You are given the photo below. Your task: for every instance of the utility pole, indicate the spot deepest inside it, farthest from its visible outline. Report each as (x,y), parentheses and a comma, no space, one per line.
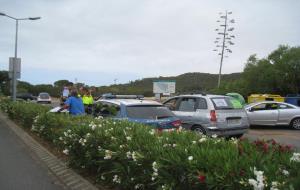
(223,43)
(16,62)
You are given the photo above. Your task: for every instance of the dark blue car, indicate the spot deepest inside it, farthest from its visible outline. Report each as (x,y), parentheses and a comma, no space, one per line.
(136,110)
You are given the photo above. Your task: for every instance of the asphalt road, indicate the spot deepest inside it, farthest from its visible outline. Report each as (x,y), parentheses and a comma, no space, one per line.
(281,134)
(19,168)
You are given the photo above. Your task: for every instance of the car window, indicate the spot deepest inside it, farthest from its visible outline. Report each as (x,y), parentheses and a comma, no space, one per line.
(171,104)
(106,109)
(148,112)
(44,96)
(265,106)
(187,104)
(202,104)
(224,103)
(284,106)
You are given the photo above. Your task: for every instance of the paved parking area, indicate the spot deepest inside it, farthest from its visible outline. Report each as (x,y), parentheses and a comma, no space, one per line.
(281,134)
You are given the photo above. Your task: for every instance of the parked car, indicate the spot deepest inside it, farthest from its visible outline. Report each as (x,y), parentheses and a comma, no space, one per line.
(136,110)
(210,114)
(44,97)
(273,113)
(25,96)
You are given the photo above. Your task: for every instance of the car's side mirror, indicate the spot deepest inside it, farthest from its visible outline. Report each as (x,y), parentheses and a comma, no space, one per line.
(251,110)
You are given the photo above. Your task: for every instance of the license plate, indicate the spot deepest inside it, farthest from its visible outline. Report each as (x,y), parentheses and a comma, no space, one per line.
(233,121)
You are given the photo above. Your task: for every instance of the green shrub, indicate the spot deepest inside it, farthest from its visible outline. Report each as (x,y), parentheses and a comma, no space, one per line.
(133,156)
(24,112)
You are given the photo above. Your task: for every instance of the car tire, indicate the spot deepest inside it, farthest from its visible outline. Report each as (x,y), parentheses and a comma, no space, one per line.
(295,123)
(198,129)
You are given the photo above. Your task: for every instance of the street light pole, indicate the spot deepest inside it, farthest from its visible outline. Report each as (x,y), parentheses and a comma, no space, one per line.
(14,72)
(14,77)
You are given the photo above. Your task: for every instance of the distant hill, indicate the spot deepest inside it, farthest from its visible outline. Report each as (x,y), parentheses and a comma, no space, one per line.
(187,82)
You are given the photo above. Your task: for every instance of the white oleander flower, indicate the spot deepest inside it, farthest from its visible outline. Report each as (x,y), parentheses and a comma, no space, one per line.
(134,156)
(194,142)
(108,155)
(285,172)
(116,179)
(214,136)
(274,185)
(128,138)
(128,154)
(138,186)
(152,132)
(190,158)
(66,152)
(257,184)
(295,157)
(203,139)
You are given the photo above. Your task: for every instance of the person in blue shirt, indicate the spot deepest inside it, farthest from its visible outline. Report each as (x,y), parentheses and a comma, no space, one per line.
(74,104)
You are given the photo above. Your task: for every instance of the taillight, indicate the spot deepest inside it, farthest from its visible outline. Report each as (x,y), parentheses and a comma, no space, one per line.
(176,123)
(213,116)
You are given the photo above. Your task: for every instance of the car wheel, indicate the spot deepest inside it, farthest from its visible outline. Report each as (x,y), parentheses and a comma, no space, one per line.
(296,123)
(200,130)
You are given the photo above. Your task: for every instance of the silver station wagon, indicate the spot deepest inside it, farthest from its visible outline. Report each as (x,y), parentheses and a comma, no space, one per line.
(210,114)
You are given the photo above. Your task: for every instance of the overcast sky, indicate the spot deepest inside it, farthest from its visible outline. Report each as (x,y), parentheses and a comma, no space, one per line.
(97,41)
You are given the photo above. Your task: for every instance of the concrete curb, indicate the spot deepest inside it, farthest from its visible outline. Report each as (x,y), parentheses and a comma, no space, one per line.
(66,176)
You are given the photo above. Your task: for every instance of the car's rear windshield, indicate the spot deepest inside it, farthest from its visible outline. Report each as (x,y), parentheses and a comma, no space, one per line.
(44,96)
(225,103)
(148,112)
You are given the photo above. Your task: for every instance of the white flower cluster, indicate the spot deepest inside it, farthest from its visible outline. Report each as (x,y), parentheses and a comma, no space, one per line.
(116,179)
(94,125)
(68,133)
(82,141)
(234,140)
(128,154)
(274,185)
(108,155)
(285,172)
(134,156)
(66,152)
(99,117)
(202,139)
(295,157)
(258,183)
(190,158)
(169,145)
(155,171)
(152,132)
(138,186)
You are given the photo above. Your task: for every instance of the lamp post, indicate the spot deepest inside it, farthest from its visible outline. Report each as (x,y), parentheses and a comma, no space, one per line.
(14,74)
(226,39)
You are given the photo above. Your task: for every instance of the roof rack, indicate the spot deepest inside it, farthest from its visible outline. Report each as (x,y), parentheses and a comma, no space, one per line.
(110,96)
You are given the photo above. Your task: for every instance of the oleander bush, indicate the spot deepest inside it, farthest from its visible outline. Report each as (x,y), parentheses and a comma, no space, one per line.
(126,155)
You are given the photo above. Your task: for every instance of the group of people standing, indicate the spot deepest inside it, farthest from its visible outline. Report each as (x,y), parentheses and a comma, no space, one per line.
(77,102)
